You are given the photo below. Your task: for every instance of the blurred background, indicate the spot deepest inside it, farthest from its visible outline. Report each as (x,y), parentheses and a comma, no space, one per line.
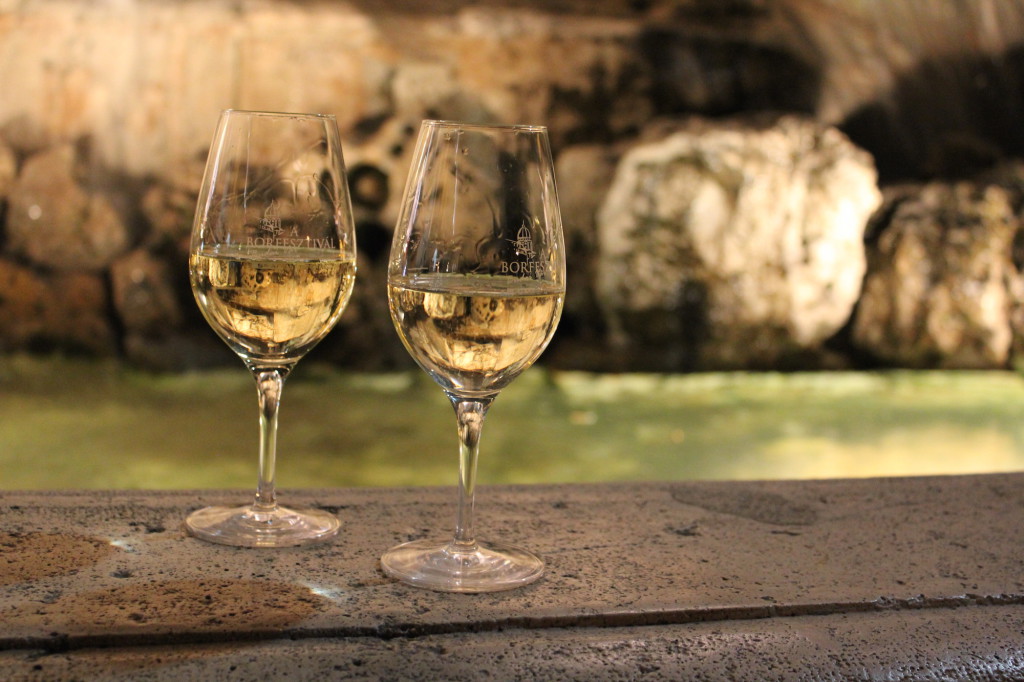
(793,231)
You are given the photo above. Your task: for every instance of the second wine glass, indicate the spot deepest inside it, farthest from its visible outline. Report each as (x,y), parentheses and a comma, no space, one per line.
(272,266)
(476,282)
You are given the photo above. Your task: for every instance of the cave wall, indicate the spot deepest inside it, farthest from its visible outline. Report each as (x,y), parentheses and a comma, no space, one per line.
(109,106)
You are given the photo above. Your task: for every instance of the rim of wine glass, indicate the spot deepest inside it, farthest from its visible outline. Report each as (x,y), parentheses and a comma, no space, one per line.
(525,127)
(281,114)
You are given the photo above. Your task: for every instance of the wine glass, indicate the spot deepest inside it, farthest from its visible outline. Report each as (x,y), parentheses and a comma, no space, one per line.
(476,281)
(272,266)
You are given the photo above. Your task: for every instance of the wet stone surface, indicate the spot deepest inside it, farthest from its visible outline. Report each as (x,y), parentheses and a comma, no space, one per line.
(672,578)
(30,556)
(758,506)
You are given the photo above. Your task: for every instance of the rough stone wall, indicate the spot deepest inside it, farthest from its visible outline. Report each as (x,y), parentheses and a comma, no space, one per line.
(109,106)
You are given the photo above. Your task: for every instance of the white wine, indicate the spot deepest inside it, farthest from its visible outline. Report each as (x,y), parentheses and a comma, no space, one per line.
(271,304)
(474,333)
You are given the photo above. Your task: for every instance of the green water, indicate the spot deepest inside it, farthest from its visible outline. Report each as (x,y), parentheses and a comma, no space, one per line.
(77,424)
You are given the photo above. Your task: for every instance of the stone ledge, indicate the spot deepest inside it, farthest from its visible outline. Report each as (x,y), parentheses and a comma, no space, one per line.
(874,578)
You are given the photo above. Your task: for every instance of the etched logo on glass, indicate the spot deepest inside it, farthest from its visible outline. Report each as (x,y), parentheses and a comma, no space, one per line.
(523,244)
(273,232)
(271,220)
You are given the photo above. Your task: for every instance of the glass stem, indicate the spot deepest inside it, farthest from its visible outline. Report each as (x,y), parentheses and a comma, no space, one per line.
(269,383)
(470,413)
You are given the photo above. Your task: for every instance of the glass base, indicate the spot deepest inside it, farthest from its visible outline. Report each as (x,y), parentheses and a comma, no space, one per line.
(247,527)
(485,567)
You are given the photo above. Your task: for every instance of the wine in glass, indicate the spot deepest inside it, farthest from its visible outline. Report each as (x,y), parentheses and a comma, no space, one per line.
(272,266)
(476,282)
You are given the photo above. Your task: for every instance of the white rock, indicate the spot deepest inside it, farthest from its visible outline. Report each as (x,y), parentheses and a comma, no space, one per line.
(767,223)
